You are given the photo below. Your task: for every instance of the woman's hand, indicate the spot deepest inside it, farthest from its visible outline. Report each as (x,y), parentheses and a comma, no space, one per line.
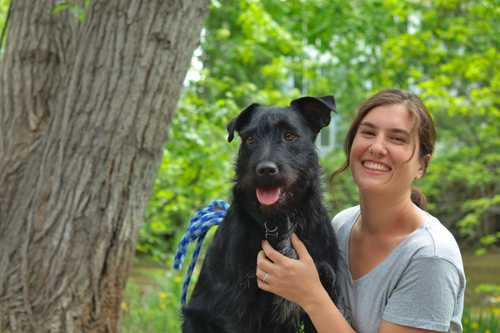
(296,280)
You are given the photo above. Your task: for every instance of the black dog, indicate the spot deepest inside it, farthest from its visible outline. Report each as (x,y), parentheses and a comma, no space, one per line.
(276,192)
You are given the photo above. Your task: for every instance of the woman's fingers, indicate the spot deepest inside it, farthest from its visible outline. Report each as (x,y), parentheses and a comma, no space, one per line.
(289,278)
(263,272)
(271,253)
(263,285)
(263,262)
(263,276)
(299,246)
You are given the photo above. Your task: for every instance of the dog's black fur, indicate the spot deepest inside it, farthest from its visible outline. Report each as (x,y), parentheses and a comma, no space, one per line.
(277,150)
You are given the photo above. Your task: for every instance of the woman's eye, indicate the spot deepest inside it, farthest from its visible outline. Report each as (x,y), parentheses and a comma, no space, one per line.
(398,139)
(289,136)
(249,140)
(368,133)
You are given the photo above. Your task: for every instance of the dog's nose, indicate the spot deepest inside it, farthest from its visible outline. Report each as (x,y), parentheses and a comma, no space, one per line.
(267,169)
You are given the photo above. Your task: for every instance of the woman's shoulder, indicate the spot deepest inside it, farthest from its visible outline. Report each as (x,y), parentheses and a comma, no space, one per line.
(435,241)
(348,215)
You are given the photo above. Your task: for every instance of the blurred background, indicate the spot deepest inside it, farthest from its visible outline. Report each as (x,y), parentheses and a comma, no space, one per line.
(272,51)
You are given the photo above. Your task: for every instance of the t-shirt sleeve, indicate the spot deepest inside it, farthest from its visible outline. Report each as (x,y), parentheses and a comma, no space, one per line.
(425,296)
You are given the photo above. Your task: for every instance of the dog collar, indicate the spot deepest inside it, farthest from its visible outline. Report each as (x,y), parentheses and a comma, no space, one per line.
(271,231)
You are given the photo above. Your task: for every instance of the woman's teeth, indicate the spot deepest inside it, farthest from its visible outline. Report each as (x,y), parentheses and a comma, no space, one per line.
(375,166)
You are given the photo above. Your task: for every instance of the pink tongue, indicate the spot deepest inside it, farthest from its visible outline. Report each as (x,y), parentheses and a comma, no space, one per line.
(268,196)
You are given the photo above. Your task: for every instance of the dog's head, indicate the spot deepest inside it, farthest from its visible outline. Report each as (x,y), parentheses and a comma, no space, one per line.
(277,161)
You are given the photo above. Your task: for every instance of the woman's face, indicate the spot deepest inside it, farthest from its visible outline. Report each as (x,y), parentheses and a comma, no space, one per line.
(384,156)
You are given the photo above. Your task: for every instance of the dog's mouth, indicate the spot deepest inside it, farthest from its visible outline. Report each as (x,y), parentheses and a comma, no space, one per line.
(268,195)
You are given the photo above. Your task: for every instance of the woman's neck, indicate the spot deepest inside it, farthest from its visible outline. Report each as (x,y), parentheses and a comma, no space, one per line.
(389,216)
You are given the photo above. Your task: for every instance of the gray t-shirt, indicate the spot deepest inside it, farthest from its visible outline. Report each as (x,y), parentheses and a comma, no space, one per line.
(420,284)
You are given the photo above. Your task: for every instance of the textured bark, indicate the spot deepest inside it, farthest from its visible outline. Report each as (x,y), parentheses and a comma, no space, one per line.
(84,112)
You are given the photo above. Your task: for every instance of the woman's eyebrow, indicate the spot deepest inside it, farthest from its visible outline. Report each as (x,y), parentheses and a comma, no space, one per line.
(399,131)
(392,130)
(367,124)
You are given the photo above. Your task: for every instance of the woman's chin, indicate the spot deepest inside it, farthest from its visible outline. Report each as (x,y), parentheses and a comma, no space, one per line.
(372,187)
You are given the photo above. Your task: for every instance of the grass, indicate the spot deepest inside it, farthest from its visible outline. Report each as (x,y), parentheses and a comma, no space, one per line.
(152,298)
(152,301)
(483,322)
(483,280)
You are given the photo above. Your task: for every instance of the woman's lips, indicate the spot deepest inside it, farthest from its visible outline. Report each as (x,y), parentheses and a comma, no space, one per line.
(375,166)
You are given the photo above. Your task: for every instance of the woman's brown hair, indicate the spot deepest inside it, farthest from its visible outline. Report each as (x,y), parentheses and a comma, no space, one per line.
(423,124)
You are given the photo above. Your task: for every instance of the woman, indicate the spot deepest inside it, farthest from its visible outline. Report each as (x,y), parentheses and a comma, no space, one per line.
(400,269)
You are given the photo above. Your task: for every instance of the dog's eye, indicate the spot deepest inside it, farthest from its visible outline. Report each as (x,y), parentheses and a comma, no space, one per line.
(249,140)
(289,136)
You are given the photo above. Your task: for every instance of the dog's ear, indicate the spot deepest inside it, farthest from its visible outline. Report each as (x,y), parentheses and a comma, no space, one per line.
(240,121)
(316,110)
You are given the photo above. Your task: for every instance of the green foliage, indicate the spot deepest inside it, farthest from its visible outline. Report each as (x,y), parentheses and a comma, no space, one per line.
(489,290)
(481,323)
(456,62)
(340,191)
(270,51)
(4,8)
(196,169)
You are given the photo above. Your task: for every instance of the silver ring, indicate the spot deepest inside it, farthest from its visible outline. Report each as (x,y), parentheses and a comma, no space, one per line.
(264,279)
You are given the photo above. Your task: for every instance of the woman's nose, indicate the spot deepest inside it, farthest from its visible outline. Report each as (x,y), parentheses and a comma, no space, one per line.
(378,146)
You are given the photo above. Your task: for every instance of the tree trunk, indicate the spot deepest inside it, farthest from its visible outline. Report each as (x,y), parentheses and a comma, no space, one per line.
(84,110)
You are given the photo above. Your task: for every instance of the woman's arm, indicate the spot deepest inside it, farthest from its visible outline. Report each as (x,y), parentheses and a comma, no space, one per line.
(326,317)
(298,281)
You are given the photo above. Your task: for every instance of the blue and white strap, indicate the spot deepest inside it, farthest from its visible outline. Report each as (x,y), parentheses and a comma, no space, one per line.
(197,229)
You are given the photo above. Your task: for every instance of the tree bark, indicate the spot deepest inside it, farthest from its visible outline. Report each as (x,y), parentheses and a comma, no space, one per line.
(84,111)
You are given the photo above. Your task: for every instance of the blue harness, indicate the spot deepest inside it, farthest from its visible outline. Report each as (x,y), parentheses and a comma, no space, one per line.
(197,229)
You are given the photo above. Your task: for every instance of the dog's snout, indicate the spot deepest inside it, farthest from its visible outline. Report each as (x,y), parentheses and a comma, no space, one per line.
(267,169)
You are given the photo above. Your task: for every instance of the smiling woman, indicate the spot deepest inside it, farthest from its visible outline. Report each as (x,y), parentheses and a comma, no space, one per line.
(410,125)
(400,269)
(383,155)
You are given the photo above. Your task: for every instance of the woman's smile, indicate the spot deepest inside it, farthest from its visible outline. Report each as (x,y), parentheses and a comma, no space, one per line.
(384,153)
(375,166)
